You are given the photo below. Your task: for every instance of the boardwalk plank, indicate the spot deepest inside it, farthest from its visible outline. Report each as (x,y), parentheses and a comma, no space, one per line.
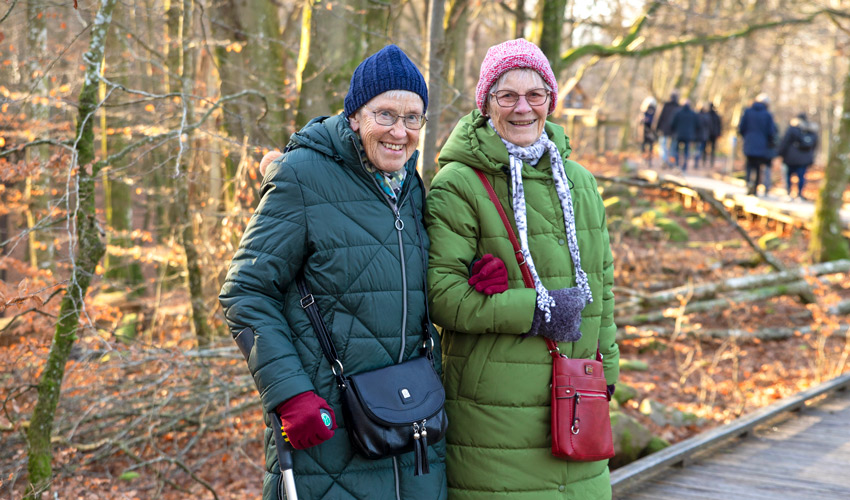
(805,455)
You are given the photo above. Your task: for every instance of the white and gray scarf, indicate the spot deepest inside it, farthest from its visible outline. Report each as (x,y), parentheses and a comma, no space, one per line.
(532,155)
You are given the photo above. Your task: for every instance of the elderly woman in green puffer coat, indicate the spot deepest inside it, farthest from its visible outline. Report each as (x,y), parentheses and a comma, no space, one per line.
(497,368)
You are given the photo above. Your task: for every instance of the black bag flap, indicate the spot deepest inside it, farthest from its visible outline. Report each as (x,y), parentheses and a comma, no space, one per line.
(400,394)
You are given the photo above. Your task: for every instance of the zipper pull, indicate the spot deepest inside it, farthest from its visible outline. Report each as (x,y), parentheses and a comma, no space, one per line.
(399,224)
(415,431)
(574,428)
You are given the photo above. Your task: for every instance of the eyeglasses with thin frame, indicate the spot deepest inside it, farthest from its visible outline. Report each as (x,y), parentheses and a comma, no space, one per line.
(388,119)
(509,98)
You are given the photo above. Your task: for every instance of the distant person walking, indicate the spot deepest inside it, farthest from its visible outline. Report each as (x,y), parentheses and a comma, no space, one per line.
(686,129)
(759,132)
(664,127)
(709,122)
(714,131)
(797,150)
(646,120)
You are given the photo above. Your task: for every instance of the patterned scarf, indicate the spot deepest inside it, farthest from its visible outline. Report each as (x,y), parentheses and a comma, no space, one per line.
(390,182)
(532,155)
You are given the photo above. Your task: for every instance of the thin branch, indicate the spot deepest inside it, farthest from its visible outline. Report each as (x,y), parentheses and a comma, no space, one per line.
(37,142)
(622,49)
(15,2)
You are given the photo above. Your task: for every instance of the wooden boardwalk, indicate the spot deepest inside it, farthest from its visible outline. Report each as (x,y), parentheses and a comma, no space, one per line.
(733,194)
(773,454)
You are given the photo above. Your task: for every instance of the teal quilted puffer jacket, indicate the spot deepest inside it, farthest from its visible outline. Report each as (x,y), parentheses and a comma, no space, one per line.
(322,211)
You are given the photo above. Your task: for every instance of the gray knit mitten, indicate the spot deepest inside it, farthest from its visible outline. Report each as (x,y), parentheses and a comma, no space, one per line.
(565,322)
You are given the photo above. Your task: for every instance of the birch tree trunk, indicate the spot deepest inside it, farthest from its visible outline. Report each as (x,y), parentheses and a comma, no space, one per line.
(89,251)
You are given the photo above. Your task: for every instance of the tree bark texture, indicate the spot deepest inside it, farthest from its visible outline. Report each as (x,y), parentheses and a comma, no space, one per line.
(435,52)
(184,205)
(552,28)
(827,242)
(89,251)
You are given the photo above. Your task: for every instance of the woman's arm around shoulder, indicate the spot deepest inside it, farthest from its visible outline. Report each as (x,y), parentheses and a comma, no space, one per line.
(269,256)
(455,205)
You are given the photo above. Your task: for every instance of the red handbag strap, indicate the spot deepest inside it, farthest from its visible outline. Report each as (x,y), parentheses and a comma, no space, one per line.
(520,258)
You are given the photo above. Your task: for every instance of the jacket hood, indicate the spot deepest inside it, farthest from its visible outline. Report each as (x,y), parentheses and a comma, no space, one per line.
(759,106)
(804,125)
(475,144)
(332,136)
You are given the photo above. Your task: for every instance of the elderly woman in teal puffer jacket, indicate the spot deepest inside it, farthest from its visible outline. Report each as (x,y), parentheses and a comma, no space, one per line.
(497,368)
(344,206)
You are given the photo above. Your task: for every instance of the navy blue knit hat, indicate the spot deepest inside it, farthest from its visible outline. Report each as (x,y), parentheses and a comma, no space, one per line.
(387,69)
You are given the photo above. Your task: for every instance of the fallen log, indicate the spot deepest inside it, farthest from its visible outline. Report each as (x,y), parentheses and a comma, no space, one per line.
(795,287)
(770,333)
(745,282)
(842,307)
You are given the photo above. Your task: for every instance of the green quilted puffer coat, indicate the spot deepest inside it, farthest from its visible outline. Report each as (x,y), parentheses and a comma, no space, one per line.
(322,211)
(497,383)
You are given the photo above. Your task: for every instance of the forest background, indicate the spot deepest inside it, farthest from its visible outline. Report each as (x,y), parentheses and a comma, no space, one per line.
(130,136)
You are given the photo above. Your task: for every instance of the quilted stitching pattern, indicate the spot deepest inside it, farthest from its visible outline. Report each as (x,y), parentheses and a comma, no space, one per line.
(320,211)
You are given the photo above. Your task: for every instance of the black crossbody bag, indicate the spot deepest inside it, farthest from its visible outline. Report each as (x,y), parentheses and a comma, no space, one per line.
(392,410)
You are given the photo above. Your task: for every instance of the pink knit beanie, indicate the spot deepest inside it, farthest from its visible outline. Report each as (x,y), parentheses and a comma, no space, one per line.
(513,54)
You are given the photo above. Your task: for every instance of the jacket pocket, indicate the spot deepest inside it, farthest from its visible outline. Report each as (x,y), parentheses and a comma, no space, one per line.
(474,366)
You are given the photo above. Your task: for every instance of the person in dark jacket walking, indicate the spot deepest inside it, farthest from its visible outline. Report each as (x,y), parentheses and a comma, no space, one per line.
(759,132)
(701,156)
(664,127)
(714,130)
(343,205)
(797,150)
(645,120)
(686,129)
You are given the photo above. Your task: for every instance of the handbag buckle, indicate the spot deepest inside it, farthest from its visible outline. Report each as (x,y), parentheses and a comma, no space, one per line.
(520,257)
(333,368)
(307,301)
(556,349)
(425,344)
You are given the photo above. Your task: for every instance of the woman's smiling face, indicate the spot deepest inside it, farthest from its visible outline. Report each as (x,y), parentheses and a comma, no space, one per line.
(388,147)
(520,124)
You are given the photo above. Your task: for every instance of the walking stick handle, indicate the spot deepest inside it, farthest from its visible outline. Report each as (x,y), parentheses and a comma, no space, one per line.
(245,341)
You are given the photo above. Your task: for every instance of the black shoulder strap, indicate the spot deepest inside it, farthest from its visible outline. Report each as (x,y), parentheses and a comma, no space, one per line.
(308,303)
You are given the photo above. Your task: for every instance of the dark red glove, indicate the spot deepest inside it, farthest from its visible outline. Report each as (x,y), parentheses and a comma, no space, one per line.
(489,275)
(302,421)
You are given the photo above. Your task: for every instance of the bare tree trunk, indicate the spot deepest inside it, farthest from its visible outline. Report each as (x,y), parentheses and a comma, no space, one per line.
(519,23)
(435,51)
(37,48)
(333,43)
(90,250)
(827,243)
(184,204)
(552,28)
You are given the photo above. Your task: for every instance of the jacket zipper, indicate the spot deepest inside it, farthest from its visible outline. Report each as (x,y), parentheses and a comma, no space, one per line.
(399,226)
(574,427)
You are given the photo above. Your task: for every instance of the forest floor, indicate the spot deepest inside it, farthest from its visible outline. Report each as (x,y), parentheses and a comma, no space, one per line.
(153,418)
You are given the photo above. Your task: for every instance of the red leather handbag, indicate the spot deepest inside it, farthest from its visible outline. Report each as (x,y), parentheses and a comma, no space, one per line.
(581,422)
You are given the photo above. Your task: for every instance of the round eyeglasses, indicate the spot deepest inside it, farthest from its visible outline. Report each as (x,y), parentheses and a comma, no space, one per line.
(388,119)
(509,98)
